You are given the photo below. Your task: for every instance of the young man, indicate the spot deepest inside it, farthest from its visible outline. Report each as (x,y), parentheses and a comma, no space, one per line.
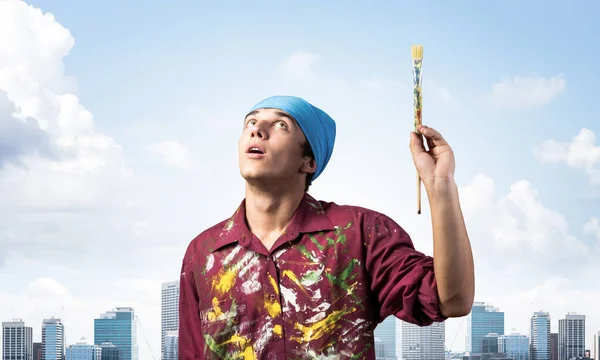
(290,277)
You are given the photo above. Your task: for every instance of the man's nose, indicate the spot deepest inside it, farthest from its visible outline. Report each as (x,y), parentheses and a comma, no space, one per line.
(259,130)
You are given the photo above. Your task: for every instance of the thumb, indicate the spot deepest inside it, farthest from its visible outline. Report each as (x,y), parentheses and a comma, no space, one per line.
(416,144)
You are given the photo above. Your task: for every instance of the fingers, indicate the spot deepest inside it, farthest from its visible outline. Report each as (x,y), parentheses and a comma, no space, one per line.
(434,138)
(416,143)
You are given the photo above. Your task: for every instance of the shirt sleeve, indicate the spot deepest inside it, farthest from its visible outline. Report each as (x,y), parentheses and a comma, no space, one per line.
(191,341)
(402,279)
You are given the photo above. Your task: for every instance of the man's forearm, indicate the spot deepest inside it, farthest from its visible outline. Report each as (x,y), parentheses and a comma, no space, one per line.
(452,255)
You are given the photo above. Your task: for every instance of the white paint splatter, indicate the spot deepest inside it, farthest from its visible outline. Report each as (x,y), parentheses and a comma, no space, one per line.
(265,334)
(290,298)
(251,285)
(249,261)
(231,255)
(210,261)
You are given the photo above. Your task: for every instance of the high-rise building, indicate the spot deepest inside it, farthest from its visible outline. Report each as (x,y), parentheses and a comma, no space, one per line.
(118,327)
(553,346)
(596,346)
(571,336)
(514,345)
(109,351)
(489,344)
(386,332)
(540,336)
(482,320)
(169,312)
(17,340)
(53,339)
(37,351)
(84,351)
(423,342)
(171,346)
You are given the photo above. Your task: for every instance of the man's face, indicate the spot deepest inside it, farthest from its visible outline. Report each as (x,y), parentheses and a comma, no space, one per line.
(270,148)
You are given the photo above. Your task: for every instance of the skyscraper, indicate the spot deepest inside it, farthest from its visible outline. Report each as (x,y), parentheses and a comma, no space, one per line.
(423,343)
(514,345)
(386,332)
(84,351)
(571,336)
(169,312)
(596,346)
(540,336)
(171,346)
(482,320)
(53,339)
(17,340)
(118,327)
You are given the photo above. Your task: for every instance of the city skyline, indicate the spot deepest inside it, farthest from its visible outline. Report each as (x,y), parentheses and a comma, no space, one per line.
(120,136)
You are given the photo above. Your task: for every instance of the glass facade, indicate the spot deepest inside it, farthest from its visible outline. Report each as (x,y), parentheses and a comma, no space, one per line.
(482,320)
(386,332)
(118,327)
(540,336)
(515,346)
(53,339)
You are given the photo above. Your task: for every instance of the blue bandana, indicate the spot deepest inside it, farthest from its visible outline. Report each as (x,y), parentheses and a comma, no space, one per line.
(317,126)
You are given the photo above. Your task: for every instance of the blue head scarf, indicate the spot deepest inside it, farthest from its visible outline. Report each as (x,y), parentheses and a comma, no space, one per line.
(317,126)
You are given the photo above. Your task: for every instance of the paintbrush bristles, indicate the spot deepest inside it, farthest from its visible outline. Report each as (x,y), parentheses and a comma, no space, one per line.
(417,52)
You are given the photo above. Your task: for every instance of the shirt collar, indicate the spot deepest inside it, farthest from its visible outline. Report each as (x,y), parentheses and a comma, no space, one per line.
(309,217)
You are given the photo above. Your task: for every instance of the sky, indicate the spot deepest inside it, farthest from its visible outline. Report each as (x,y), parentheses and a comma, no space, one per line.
(119,125)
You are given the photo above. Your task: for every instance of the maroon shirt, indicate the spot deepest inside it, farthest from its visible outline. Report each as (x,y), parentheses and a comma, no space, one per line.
(335,273)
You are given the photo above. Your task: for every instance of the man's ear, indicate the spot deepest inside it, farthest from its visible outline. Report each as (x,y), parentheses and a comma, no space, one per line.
(309,166)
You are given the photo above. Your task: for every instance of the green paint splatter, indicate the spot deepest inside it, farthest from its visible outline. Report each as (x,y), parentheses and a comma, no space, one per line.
(344,277)
(304,251)
(316,242)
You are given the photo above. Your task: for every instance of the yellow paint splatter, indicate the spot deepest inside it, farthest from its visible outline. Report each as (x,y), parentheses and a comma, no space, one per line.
(236,339)
(224,281)
(273,308)
(320,328)
(215,312)
(249,354)
(277,330)
(292,277)
(274,284)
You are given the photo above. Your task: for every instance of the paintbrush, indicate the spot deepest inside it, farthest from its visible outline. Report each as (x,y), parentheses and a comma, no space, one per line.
(417,61)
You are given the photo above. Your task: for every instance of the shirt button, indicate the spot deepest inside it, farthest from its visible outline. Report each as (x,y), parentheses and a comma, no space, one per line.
(276,337)
(272,296)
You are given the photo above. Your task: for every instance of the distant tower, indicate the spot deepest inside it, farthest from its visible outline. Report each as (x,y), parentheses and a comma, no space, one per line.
(17,340)
(169,312)
(118,327)
(53,339)
(540,336)
(571,336)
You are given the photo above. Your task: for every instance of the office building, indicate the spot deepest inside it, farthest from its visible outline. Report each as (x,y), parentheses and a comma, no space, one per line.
(386,333)
(109,351)
(84,351)
(17,340)
(482,320)
(596,346)
(53,339)
(540,336)
(514,345)
(169,312)
(571,336)
(553,346)
(423,342)
(118,327)
(171,345)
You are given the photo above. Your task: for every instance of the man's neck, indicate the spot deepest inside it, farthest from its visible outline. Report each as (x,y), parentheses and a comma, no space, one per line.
(269,213)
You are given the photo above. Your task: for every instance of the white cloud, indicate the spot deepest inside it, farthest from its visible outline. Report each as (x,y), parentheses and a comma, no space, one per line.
(592,227)
(299,66)
(581,153)
(173,153)
(439,92)
(526,92)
